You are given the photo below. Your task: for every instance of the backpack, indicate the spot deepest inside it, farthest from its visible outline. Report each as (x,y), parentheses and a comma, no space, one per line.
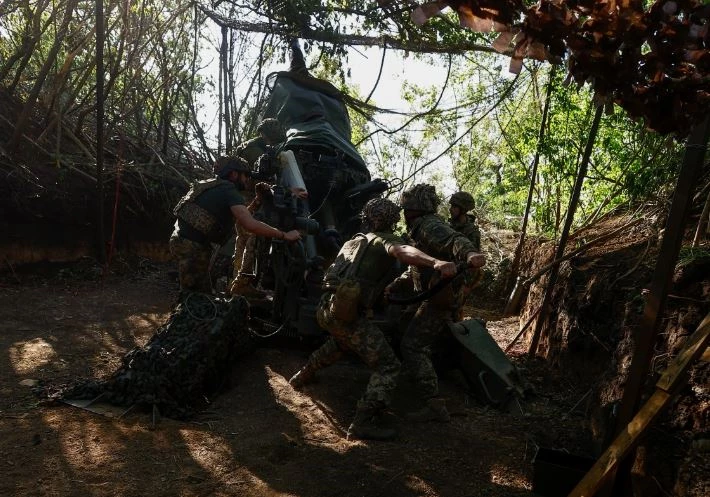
(340,277)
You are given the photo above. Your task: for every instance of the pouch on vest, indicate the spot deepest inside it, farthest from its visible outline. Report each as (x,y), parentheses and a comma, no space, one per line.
(346,301)
(340,278)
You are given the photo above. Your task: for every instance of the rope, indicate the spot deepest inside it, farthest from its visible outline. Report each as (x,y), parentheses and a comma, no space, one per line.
(192,314)
(330,189)
(268,335)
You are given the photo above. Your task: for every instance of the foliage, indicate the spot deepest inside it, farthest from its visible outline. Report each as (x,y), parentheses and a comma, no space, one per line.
(478,131)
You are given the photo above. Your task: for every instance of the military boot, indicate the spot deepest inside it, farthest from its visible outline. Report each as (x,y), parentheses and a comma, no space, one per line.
(304,376)
(365,426)
(243,287)
(435,410)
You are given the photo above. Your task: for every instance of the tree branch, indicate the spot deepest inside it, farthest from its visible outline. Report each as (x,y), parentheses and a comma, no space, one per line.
(417,46)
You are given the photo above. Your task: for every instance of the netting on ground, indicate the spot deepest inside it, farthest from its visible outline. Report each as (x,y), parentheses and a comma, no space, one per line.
(188,358)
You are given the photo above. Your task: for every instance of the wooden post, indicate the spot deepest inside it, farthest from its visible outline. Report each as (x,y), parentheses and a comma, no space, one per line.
(573,201)
(628,437)
(647,331)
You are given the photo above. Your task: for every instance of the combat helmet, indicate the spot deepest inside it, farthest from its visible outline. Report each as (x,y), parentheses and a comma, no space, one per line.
(421,197)
(380,214)
(226,164)
(464,200)
(272,130)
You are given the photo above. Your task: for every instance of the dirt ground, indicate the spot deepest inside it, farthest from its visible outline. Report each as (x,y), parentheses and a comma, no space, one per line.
(258,438)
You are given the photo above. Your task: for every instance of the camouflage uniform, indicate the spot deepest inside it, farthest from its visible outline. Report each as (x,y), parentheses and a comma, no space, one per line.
(368,342)
(432,235)
(466,225)
(204,217)
(244,245)
(244,259)
(193,263)
(373,271)
(469,229)
(271,133)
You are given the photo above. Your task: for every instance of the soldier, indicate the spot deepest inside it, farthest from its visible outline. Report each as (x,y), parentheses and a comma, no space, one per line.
(460,204)
(366,262)
(271,134)
(432,235)
(206,215)
(463,222)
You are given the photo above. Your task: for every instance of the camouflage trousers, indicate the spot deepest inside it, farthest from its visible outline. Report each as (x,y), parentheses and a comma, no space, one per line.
(244,248)
(369,343)
(193,264)
(426,327)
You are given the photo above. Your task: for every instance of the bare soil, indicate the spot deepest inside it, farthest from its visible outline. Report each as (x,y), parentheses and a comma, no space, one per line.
(259,437)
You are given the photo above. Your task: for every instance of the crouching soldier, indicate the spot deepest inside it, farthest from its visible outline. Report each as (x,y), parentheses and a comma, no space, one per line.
(434,236)
(206,215)
(353,284)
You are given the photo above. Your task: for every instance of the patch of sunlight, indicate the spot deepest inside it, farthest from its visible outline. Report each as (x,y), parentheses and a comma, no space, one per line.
(26,357)
(149,321)
(215,456)
(419,486)
(86,442)
(318,424)
(506,477)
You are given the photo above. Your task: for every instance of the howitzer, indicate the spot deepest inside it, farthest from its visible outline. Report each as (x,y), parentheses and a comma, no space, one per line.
(294,272)
(318,155)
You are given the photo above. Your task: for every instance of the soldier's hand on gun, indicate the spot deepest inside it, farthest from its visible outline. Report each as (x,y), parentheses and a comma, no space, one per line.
(446,269)
(292,236)
(475,260)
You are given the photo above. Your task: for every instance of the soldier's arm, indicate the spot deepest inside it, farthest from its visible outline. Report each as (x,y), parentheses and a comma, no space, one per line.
(442,238)
(244,217)
(415,257)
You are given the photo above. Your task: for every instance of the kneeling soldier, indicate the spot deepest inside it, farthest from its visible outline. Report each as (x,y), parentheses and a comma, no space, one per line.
(353,284)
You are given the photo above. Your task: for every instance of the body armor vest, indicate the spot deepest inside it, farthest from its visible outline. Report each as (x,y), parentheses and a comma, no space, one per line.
(198,217)
(346,268)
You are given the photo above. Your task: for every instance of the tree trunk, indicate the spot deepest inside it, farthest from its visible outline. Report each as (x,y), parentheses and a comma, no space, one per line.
(41,77)
(574,200)
(533,175)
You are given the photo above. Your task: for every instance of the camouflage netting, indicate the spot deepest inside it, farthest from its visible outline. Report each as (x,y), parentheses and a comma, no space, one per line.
(189,357)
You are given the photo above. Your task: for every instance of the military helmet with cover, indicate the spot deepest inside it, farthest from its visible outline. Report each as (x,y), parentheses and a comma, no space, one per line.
(226,164)
(464,200)
(272,130)
(421,197)
(380,214)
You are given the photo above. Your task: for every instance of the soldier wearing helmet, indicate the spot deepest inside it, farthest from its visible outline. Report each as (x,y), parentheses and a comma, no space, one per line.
(366,263)
(205,216)
(431,234)
(271,135)
(460,204)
